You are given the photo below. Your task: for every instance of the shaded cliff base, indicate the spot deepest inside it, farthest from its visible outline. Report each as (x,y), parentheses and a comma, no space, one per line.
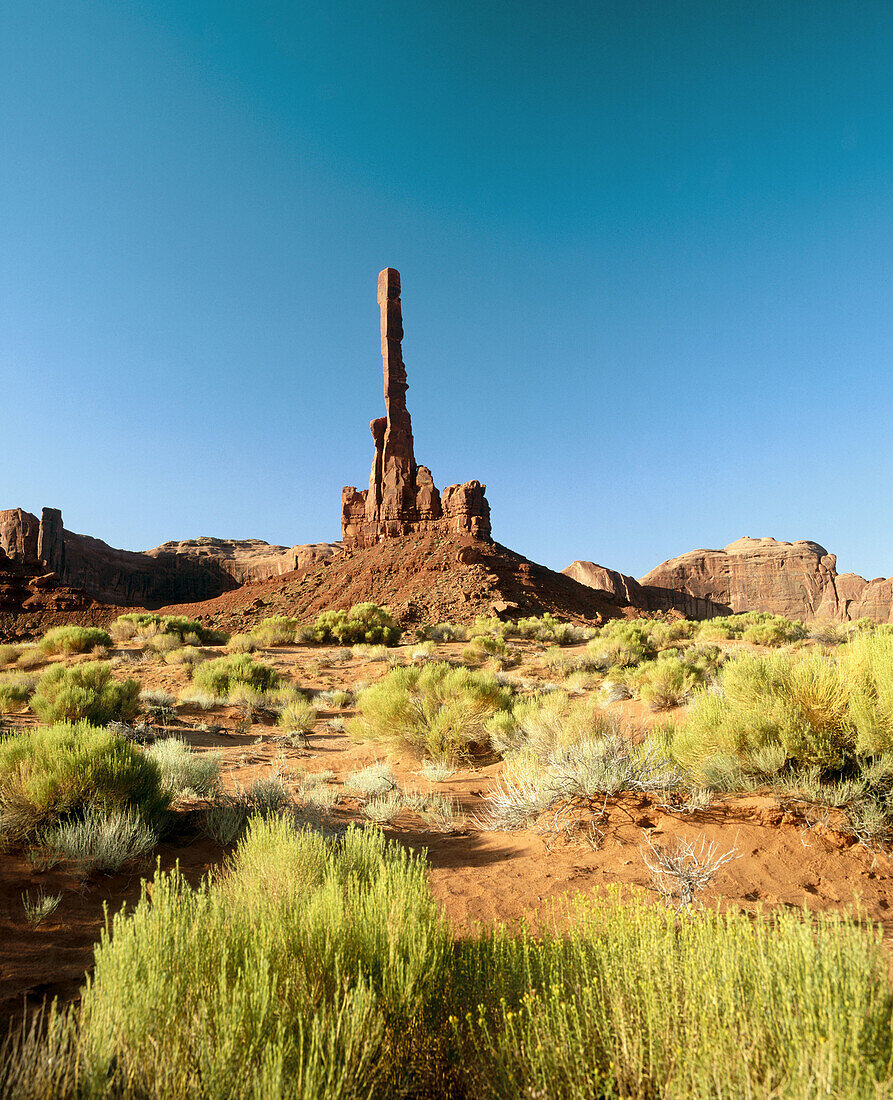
(795,579)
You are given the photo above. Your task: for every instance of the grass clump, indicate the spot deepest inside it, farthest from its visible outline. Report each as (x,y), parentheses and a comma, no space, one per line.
(73,639)
(363,623)
(100,839)
(59,771)
(41,906)
(183,769)
(297,715)
(9,654)
(223,675)
(15,690)
(86,693)
(434,710)
(243,643)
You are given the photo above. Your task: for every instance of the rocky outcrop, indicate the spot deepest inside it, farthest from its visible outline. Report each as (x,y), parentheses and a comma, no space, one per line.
(402,498)
(19,534)
(176,572)
(608,582)
(795,579)
(787,578)
(248,561)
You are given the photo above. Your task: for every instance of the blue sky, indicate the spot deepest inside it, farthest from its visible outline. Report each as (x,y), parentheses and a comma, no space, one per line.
(646,252)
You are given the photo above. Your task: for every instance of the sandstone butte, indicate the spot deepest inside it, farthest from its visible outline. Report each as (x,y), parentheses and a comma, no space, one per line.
(428,554)
(796,579)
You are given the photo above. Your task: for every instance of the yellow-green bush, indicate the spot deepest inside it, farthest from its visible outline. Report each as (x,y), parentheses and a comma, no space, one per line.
(312,970)
(224,674)
(15,690)
(145,623)
(822,710)
(85,693)
(275,630)
(50,772)
(435,710)
(364,622)
(73,639)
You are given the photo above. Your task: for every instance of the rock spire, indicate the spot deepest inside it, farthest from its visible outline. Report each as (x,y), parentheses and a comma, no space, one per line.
(402,497)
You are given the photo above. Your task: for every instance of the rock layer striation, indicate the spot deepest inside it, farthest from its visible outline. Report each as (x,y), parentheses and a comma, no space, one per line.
(402,498)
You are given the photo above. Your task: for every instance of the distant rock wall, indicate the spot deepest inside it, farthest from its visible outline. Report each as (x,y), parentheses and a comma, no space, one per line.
(177,572)
(796,579)
(402,498)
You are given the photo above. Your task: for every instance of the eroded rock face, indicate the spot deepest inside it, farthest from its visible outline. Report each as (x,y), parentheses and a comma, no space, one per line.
(176,572)
(795,579)
(787,578)
(19,533)
(402,497)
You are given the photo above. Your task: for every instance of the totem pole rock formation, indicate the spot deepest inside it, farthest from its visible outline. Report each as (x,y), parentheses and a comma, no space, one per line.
(402,498)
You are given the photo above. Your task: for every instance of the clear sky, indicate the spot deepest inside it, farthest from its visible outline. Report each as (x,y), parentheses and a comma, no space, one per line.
(646,248)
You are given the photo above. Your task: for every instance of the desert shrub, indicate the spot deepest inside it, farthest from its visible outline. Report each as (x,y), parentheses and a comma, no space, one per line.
(622,644)
(543,723)
(266,796)
(319,970)
(182,769)
(365,622)
(383,808)
(146,624)
(100,839)
(307,970)
(188,655)
(297,715)
(52,772)
(821,711)
(31,658)
(242,643)
(482,647)
(372,781)
(165,643)
(222,675)
(670,679)
(157,699)
(490,625)
(276,630)
(442,632)
(774,631)
(664,634)
(866,664)
(586,771)
(15,690)
(828,633)
(336,699)
(9,654)
(85,693)
(435,710)
(546,628)
(585,1013)
(73,639)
